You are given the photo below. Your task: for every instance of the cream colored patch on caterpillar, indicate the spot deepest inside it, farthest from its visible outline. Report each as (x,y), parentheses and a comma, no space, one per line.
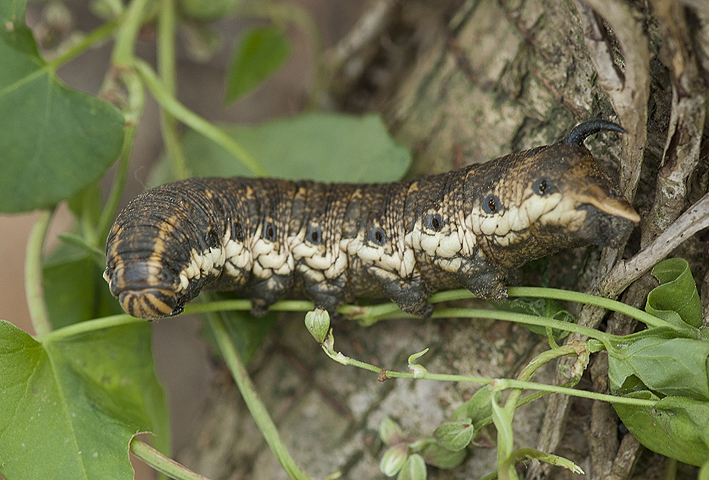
(449,245)
(337,266)
(509,239)
(535,206)
(564,215)
(516,219)
(430,242)
(408,263)
(390,262)
(202,264)
(302,249)
(450,265)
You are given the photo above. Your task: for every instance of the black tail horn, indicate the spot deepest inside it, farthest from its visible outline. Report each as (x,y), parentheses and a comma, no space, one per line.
(580,132)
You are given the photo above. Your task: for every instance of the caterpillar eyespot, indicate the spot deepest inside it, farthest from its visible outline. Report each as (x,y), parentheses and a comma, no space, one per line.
(212,239)
(269,232)
(542,186)
(314,235)
(238,232)
(491,204)
(378,236)
(433,222)
(258,245)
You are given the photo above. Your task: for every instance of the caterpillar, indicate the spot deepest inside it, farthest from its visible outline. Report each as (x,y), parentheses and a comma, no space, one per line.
(333,243)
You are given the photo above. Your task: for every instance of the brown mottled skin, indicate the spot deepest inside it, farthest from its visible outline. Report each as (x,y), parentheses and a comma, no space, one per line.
(266,239)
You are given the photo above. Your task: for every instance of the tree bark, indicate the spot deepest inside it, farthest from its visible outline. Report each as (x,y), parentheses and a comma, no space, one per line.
(462,82)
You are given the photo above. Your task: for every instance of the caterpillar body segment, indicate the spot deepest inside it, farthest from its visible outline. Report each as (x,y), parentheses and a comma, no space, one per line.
(333,243)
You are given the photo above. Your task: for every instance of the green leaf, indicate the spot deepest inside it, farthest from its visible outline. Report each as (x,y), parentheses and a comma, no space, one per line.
(541,307)
(86,206)
(454,436)
(74,288)
(478,408)
(207,10)
(505,435)
(676,299)
(438,456)
(261,51)
(318,324)
(414,469)
(666,366)
(676,427)
(704,471)
(246,332)
(71,403)
(326,147)
(55,141)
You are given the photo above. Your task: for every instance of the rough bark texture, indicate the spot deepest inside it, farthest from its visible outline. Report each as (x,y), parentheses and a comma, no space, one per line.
(462,82)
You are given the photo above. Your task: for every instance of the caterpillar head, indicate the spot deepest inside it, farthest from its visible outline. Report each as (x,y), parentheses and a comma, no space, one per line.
(551,198)
(150,247)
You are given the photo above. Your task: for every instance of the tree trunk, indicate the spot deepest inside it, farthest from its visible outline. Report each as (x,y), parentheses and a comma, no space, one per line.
(462,82)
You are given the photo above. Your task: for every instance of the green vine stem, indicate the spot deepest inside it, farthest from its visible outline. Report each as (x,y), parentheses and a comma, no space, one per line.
(167,25)
(506,459)
(161,463)
(194,121)
(500,384)
(241,304)
(88,41)
(77,329)
(39,315)
(302,305)
(133,19)
(248,392)
(521,454)
(132,114)
(371,314)
(581,350)
(505,438)
(578,297)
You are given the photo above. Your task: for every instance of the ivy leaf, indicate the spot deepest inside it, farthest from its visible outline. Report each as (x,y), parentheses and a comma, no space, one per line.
(676,300)
(478,409)
(665,366)
(70,404)
(454,436)
(261,51)
(676,427)
(541,307)
(327,147)
(74,288)
(55,141)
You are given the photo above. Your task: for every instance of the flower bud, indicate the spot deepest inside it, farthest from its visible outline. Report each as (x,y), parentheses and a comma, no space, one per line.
(390,432)
(393,459)
(318,324)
